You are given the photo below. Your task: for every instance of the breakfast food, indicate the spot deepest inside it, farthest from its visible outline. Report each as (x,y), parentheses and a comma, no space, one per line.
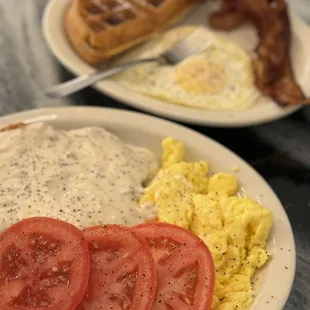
(220,78)
(234,228)
(101,29)
(47,263)
(44,264)
(185,269)
(85,176)
(191,241)
(228,16)
(273,68)
(122,274)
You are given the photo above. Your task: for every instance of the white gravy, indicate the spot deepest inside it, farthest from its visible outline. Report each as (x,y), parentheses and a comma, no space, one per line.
(86,176)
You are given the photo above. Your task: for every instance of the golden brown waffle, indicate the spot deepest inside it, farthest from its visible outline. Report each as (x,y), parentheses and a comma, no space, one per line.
(101,29)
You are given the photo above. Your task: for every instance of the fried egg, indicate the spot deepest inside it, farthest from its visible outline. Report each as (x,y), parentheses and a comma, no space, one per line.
(219,78)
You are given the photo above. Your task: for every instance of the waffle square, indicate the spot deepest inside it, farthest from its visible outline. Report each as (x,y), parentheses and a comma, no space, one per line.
(101,29)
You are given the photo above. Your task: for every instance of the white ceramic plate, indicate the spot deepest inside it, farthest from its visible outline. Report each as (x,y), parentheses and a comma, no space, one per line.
(275,280)
(265,110)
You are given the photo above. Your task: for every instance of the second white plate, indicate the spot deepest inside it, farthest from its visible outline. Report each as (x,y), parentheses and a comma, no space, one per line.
(264,111)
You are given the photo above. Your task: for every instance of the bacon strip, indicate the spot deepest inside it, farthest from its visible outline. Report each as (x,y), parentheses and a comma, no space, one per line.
(272,66)
(228,17)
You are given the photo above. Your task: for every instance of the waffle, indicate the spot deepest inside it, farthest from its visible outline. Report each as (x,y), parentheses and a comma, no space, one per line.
(101,29)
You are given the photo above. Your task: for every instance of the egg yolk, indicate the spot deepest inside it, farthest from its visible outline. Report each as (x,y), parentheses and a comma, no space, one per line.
(200,77)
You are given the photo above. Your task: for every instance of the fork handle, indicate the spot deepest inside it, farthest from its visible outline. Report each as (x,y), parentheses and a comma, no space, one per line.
(79,83)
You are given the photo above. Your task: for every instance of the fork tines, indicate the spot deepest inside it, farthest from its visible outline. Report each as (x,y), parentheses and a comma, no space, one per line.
(191,45)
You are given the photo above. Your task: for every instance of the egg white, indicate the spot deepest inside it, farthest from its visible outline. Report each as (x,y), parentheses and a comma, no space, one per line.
(219,78)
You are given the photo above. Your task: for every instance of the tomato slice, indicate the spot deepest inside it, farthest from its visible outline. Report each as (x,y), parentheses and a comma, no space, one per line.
(44,264)
(122,270)
(185,268)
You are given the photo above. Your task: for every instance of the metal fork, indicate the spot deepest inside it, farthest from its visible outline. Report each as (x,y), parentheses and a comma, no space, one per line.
(187,47)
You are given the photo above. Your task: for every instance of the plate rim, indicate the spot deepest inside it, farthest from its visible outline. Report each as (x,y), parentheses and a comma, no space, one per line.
(137,119)
(152,105)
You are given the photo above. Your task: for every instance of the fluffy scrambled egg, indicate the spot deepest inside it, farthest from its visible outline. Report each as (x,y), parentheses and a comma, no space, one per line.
(234,228)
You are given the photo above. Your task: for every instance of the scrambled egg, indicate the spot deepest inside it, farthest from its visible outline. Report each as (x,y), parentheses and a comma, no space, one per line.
(234,228)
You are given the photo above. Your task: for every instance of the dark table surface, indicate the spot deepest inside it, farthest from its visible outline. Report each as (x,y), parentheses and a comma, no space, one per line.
(280,151)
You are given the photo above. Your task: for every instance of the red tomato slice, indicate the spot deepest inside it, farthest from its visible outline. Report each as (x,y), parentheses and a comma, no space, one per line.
(185,268)
(122,270)
(44,264)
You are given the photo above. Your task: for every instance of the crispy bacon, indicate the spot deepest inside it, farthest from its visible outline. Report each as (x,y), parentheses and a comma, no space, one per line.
(228,17)
(272,66)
